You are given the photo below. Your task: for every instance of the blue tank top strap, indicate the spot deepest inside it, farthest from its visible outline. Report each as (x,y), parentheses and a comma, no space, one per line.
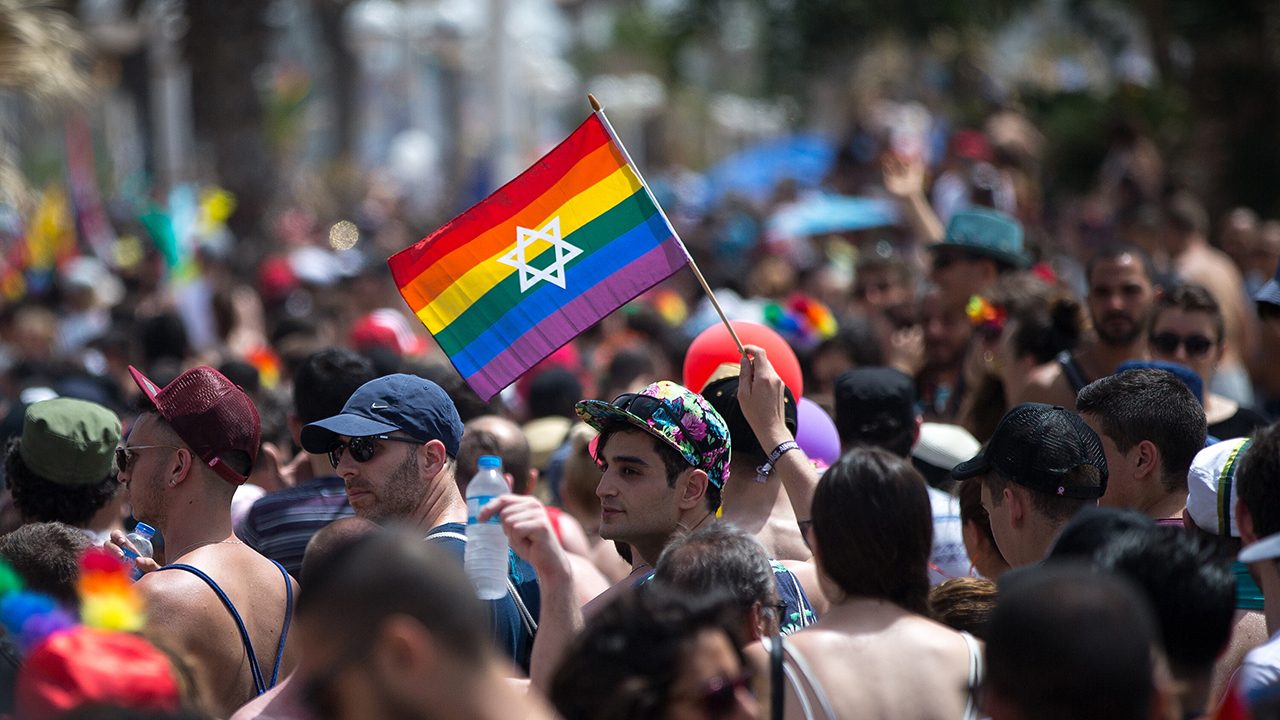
(288,620)
(259,684)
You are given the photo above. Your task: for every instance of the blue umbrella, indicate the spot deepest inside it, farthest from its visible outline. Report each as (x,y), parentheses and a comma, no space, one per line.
(819,214)
(756,170)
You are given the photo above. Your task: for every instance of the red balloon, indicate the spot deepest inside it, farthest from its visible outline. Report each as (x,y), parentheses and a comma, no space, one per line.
(714,346)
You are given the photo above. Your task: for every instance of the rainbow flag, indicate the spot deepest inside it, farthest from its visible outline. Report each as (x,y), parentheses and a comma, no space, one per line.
(527,269)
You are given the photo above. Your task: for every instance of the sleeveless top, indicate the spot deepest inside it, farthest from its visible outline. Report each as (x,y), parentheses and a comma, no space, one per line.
(797,612)
(814,703)
(1071,370)
(260,684)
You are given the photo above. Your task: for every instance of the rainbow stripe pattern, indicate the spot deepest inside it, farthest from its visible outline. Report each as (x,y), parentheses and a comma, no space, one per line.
(548,255)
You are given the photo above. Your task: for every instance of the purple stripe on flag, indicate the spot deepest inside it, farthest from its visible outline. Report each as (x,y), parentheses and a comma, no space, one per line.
(579,314)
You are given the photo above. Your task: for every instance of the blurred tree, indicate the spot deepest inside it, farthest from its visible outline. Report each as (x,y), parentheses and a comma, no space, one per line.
(225,47)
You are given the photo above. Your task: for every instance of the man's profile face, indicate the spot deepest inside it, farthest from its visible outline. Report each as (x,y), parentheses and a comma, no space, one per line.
(386,486)
(635,500)
(1120,298)
(144,474)
(1001,526)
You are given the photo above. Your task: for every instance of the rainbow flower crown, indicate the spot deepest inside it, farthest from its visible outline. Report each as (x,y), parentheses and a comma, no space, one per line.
(108,601)
(986,316)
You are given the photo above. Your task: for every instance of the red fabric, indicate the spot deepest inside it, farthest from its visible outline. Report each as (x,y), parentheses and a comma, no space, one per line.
(553,514)
(83,665)
(210,413)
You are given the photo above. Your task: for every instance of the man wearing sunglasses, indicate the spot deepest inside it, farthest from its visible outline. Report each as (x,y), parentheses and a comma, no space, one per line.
(217,601)
(395,446)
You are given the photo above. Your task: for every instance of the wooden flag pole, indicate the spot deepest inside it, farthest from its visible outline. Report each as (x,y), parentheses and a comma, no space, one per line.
(599,110)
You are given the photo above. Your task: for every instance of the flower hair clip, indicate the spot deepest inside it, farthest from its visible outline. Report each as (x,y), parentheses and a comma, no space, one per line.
(985,316)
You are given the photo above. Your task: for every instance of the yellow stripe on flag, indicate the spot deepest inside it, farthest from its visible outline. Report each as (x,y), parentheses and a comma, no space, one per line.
(488,272)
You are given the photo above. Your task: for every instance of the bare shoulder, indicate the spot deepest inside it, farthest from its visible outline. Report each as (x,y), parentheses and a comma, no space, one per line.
(1047,384)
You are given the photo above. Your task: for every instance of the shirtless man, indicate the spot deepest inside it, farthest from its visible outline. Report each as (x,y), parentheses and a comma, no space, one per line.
(756,503)
(181,463)
(1195,261)
(1121,292)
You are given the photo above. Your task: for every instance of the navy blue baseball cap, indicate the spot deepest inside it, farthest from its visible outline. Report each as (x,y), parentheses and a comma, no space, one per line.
(415,406)
(1269,294)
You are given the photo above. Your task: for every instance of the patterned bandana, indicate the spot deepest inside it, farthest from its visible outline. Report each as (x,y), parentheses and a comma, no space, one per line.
(675,415)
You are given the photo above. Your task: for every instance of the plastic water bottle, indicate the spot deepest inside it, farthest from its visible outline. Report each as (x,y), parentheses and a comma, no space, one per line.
(486,553)
(140,538)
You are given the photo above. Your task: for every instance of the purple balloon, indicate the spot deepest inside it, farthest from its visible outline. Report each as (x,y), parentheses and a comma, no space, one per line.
(816,432)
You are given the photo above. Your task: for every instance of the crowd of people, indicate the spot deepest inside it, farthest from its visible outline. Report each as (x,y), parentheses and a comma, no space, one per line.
(975,464)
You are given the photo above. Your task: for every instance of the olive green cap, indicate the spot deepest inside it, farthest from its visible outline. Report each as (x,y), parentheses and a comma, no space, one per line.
(68,441)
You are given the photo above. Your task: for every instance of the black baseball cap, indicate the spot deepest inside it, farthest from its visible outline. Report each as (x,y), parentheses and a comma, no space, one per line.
(1039,446)
(723,396)
(874,404)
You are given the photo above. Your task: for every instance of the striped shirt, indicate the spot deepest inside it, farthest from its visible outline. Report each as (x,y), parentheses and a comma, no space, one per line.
(279,525)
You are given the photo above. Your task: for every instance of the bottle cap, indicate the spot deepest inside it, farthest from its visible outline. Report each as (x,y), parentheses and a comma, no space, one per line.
(489,462)
(145,529)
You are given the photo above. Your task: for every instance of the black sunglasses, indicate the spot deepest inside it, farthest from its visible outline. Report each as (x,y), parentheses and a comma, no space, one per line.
(719,696)
(1167,343)
(943,260)
(363,448)
(642,406)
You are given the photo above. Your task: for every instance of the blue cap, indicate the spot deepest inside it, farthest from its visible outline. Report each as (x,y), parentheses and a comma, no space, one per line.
(986,232)
(408,403)
(489,462)
(1270,292)
(1182,372)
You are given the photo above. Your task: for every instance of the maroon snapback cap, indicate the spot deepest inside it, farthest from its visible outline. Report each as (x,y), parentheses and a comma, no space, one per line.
(210,413)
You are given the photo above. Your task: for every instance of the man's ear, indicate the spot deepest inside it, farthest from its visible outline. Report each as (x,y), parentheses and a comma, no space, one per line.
(404,652)
(180,467)
(1017,505)
(432,457)
(1146,461)
(1244,520)
(694,489)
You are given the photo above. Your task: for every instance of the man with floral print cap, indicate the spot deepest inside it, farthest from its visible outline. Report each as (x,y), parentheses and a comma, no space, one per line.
(665,455)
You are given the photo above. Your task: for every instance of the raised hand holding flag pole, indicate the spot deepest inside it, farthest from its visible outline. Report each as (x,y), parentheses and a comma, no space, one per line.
(541,260)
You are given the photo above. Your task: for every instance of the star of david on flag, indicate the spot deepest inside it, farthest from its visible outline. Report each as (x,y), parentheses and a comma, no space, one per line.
(551,253)
(553,273)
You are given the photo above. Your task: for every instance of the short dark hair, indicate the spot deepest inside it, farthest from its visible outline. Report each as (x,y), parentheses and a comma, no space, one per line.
(41,500)
(1154,405)
(1115,251)
(1049,319)
(1092,528)
(516,457)
(624,663)
(1258,480)
(1068,642)
(1057,508)
(873,524)
(719,559)
(354,589)
(325,380)
(1189,585)
(46,555)
(1189,297)
(672,461)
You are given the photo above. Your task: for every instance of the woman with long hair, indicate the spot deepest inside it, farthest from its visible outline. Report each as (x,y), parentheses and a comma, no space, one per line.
(876,653)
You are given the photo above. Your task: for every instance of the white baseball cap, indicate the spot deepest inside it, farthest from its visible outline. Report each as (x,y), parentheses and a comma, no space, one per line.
(1211,487)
